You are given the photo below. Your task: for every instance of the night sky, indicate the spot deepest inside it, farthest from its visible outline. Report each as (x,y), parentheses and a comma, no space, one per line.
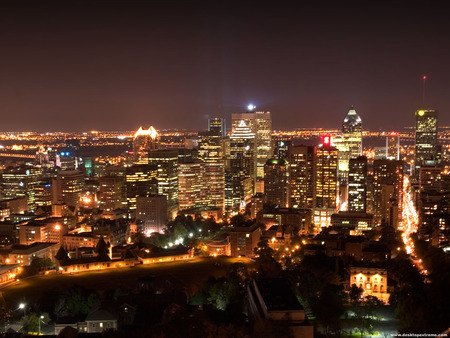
(116,65)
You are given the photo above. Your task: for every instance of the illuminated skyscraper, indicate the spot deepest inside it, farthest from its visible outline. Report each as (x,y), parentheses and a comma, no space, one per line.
(242,161)
(276,182)
(144,141)
(190,185)
(260,124)
(263,135)
(167,163)
(393,146)
(302,166)
(426,138)
(141,180)
(68,187)
(152,210)
(357,184)
(210,151)
(20,182)
(350,144)
(326,182)
(217,125)
(112,193)
(387,188)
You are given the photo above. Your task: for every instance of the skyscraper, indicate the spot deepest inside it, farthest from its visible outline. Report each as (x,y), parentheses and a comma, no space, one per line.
(263,133)
(167,163)
(190,185)
(393,146)
(141,180)
(387,188)
(326,182)
(242,160)
(426,138)
(357,184)
(217,125)
(144,141)
(210,150)
(68,187)
(276,182)
(350,144)
(302,165)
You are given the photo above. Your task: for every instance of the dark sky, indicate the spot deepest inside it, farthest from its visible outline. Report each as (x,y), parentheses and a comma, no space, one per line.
(115,65)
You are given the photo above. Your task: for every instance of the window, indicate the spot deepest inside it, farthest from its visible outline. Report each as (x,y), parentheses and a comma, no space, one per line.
(101,324)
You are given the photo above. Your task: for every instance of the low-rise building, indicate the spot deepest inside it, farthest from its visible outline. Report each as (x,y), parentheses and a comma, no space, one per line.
(372,279)
(271,299)
(23,254)
(244,240)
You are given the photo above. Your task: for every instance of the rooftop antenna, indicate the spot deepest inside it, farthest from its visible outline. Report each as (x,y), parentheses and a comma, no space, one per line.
(423,90)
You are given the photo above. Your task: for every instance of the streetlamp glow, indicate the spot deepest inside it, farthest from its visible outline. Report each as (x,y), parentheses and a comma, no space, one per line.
(250,107)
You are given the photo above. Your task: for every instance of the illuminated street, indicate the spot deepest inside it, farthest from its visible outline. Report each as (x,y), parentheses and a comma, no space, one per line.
(410,217)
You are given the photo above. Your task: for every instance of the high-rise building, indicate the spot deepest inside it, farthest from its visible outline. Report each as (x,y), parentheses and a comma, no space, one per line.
(430,179)
(211,154)
(350,144)
(302,165)
(357,184)
(326,191)
(426,138)
(144,141)
(112,193)
(20,182)
(67,158)
(217,125)
(242,160)
(263,139)
(387,188)
(67,187)
(393,146)
(276,182)
(281,148)
(152,210)
(141,181)
(43,194)
(260,124)
(191,185)
(167,163)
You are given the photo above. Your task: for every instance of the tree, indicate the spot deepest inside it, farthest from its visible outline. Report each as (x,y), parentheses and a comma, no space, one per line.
(365,315)
(75,301)
(30,322)
(355,294)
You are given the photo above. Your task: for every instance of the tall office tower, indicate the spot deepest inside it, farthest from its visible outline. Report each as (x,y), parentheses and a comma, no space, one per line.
(210,151)
(387,188)
(326,182)
(302,166)
(43,194)
(426,138)
(167,162)
(430,179)
(67,187)
(242,162)
(217,125)
(152,210)
(350,144)
(281,148)
(141,181)
(260,124)
(112,193)
(191,185)
(357,184)
(263,138)
(144,141)
(276,182)
(393,146)
(20,182)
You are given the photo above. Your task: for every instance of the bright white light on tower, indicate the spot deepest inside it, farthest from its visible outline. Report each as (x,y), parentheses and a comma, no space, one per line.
(251,107)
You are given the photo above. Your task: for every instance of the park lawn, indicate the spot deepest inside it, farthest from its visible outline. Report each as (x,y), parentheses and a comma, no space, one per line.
(189,274)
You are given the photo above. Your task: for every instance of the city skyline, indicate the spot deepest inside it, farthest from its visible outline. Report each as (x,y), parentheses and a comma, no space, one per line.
(69,67)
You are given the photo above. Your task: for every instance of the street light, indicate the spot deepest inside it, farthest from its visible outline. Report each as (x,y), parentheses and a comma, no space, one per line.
(22,307)
(39,320)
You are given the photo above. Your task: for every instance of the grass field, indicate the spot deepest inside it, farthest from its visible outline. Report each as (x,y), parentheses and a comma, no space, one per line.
(189,274)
